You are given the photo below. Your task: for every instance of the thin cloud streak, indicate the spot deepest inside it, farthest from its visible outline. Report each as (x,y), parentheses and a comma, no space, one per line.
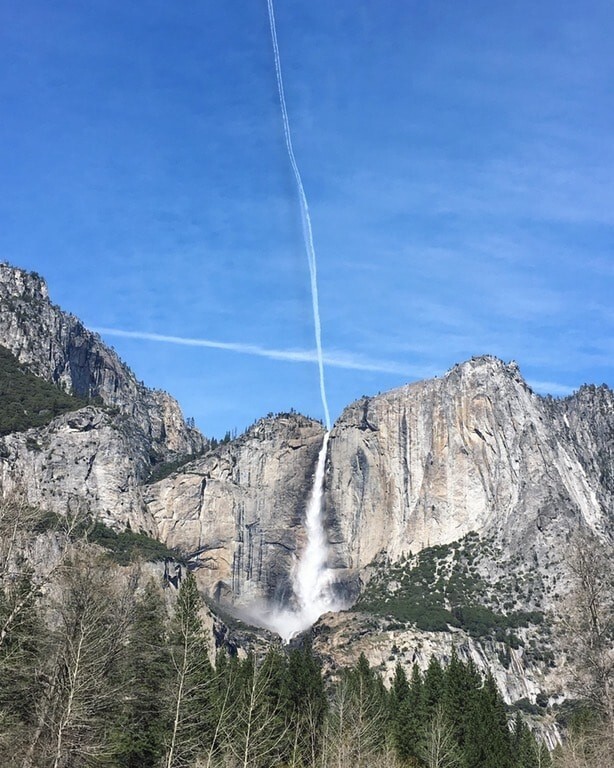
(337,359)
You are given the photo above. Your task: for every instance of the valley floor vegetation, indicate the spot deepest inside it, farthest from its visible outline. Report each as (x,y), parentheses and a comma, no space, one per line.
(101,667)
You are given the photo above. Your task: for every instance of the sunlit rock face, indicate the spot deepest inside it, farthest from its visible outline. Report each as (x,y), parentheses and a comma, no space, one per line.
(240,509)
(474,450)
(87,461)
(94,460)
(57,347)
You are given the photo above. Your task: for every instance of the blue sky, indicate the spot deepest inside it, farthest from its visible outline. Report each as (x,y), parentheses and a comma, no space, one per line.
(457,157)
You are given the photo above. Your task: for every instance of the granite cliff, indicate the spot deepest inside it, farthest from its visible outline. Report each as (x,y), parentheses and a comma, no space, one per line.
(98,457)
(474,450)
(450,504)
(239,510)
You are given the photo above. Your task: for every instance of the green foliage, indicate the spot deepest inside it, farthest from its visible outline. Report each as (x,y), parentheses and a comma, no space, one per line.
(408,712)
(480,621)
(155,700)
(127,546)
(123,547)
(27,400)
(305,702)
(142,719)
(192,712)
(135,663)
(166,468)
(439,588)
(21,642)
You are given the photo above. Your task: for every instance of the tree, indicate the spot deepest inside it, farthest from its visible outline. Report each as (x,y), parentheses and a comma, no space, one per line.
(306,702)
(434,686)
(488,740)
(585,748)
(80,689)
(399,696)
(438,747)
(142,722)
(590,624)
(256,735)
(527,751)
(357,726)
(193,705)
(461,683)
(19,657)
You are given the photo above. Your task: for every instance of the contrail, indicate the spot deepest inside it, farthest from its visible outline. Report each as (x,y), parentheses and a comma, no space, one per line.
(337,359)
(306,218)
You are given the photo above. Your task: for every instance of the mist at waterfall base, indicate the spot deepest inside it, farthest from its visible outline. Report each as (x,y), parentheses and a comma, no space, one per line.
(312,579)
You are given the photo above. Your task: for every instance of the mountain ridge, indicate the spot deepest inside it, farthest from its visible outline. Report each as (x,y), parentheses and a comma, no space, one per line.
(419,469)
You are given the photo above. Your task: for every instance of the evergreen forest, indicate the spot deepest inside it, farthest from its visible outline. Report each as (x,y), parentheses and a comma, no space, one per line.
(102,666)
(27,400)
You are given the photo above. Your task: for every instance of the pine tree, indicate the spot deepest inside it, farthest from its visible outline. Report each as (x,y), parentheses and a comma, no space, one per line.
(143,720)
(462,681)
(306,700)
(399,698)
(434,687)
(193,703)
(488,739)
(527,752)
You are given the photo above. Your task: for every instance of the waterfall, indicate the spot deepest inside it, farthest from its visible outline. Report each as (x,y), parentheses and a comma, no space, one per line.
(312,579)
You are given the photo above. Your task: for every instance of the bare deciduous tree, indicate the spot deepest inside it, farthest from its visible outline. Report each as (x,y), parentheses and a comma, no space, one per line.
(260,727)
(438,748)
(80,688)
(590,623)
(354,733)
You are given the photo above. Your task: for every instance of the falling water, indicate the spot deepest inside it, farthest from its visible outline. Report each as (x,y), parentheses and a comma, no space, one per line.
(312,577)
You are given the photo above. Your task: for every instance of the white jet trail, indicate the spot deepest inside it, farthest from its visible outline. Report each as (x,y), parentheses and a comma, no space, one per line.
(336,359)
(305,215)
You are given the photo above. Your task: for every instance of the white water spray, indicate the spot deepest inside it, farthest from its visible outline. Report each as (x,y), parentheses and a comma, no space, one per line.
(305,215)
(312,578)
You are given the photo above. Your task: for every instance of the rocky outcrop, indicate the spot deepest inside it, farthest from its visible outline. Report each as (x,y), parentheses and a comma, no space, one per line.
(474,450)
(89,461)
(95,459)
(239,510)
(426,464)
(340,639)
(57,347)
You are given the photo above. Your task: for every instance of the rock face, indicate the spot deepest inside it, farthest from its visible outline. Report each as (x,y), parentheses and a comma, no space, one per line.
(97,458)
(240,509)
(88,461)
(427,464)
(475,450)
(57,347)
